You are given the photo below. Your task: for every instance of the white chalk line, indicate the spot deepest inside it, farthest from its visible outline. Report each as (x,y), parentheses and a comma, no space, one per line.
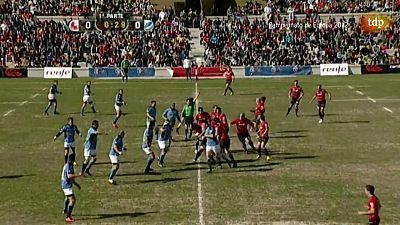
(371,99)
(43,89)
(359,92)
(387,109)
(199,186)
(35,95)
(8,113)
(351,87)
(23,103)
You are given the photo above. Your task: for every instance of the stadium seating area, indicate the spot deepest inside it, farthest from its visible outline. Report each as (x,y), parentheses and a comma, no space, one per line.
(241,42)
(35,43)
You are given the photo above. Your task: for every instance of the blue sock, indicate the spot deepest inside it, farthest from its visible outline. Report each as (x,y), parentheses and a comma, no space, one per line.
(149,162)
(66,203)
(162,156)
(69,212)
(210,162)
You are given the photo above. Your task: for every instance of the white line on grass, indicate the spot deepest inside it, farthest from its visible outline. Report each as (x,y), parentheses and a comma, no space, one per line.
(9,112)
(351,87)
(43,89)
(387,109)
(199,191)
(371,99)
(35,95)
(23,103)
(360,93)
(350,100)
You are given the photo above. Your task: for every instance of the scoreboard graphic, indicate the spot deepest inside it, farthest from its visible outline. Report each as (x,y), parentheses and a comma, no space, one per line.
(111,21)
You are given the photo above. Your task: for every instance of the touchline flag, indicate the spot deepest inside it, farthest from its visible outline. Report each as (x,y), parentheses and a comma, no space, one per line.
(74,25)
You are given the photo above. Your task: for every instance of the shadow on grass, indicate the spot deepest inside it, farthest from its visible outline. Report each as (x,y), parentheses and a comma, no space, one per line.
(113,215)
(301,157)
(187,169)
(164,180)
(346,122)
(316,114)
(291,136)
(254,93)
(283,153)
(290,131)
(15,176)
(109,163)
(137,174)
(260,165)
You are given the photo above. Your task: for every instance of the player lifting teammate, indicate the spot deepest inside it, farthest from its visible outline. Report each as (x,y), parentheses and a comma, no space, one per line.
(87,98)
(52,96)
(242,124)
(163,141)
(295,95)
(320,95)
(172,115)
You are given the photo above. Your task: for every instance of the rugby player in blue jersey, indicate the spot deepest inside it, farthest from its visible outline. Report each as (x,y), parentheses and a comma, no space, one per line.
(172,115)
(146,147)
(117,149)
(52,96)
(87,98)
(119,102)
(151,116)
(69,131)
(212,145)
(163,141)
(67,181)
(90,149)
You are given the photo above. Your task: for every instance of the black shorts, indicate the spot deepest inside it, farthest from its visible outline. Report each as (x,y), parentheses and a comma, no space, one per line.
(229,82)
(263,139)
(295,101)
(53,101)
(377,222)
(125,72)
(189,120)
(226,144)
(321,104)
(243,137)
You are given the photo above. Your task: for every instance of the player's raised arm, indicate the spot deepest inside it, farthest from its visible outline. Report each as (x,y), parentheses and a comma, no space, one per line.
(197,96)
(59,133)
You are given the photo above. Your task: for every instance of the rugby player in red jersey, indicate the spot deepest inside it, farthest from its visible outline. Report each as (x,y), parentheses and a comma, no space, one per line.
(221,115)
(202,117)
(260,110)
(263,137)
(229,78)
(225,140)
(214,114)
(374,206)
(320,95)
(295,94)
(219,131)
(242,124)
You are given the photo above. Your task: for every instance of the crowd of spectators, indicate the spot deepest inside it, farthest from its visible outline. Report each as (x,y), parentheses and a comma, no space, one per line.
(310,41)
(313,6)
(26,41)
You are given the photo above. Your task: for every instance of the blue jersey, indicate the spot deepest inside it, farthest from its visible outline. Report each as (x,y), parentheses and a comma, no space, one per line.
(119,142)
(147,137)
(91,139)
(171,114)
(69,133)
(86,90)
(152,112)
(166,134)
(210,131)
(65,181)
(54,89)
(119,99)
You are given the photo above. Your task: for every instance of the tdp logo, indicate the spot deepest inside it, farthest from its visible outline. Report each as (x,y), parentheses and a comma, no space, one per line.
(375,23)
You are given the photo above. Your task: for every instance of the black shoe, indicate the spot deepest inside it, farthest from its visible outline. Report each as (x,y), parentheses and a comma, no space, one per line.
(88,173)
(234,165)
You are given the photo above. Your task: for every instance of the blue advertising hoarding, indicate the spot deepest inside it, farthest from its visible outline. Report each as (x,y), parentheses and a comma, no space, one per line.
(102,72)
(277,70)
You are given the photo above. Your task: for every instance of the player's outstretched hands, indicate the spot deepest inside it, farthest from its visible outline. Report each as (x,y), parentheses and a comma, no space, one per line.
(54,138)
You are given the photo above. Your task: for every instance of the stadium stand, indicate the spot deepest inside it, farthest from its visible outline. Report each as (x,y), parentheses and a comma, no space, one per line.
(308,41)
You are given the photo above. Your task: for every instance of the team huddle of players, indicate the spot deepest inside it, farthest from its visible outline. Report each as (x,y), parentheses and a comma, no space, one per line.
(211,131)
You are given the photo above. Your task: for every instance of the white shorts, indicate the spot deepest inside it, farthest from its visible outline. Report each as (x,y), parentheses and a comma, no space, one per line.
(163,144)
(114,159)
(117,108)
(216,149)
(69,145)
(51,96)
(68,191)
(87,98)
(89,152)
(147,150)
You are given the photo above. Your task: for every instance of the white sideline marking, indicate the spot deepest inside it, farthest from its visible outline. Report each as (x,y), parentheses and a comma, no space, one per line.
(371,99)
(43,89)
(350,100)
(199,191)
(351,87)
(23,103)
(9,112)
(387,109)
(360,93)
(35,95)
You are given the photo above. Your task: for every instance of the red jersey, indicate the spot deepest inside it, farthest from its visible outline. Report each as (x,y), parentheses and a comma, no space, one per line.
(228,75)
(198,129)
(295,91)
(241,126)
(260,109)
(263,130)
(213,115)
(202,117)
(222,116)
(321,95)
(373,203)
(224,131)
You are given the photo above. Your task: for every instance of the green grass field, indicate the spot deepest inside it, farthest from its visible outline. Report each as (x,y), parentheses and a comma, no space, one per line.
(316,176)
